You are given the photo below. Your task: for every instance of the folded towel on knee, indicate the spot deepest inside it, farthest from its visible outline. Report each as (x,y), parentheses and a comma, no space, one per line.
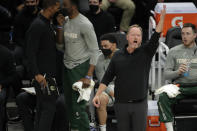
(171,90)
(84,93)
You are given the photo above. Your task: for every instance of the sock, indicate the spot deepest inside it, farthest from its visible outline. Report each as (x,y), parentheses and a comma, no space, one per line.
(169,126)
(102,127)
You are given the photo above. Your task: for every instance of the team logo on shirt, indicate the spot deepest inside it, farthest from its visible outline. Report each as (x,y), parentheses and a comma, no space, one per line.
(70,35)
(180,61)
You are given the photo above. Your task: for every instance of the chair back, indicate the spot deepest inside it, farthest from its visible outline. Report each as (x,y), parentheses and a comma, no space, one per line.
(173,37)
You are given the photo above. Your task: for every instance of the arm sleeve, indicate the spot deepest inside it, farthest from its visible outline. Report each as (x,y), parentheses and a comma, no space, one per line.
(153,44)
(33,37)
(10,71)
(169,72)
(61,46)
(111,24)
(19,32)
(110,73)
(91,40)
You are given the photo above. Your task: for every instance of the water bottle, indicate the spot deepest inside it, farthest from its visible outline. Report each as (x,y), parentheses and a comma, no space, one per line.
(186,74)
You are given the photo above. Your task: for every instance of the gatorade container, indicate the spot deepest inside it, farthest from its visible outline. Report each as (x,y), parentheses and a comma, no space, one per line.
(176,14)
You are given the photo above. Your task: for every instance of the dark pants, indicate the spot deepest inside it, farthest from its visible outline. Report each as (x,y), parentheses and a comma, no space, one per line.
(45,109)
(26,106)
(77,114)
(131,116)
(61,121)
(3,110)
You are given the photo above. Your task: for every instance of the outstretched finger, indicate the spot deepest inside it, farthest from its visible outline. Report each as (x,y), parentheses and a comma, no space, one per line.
(163,11)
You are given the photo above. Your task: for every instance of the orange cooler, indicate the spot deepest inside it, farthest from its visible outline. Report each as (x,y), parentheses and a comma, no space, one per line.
(176,14)
(153,123)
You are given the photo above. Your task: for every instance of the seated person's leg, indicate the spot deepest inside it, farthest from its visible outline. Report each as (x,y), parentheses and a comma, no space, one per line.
(105,4)
(129,8)
(165,109)
(106,100)
(26,105)
(3,110)
(101,111)
(61,121)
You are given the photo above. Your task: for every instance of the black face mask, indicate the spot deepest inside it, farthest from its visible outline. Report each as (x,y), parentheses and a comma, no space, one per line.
(94,8)
(30,9)
(106,52)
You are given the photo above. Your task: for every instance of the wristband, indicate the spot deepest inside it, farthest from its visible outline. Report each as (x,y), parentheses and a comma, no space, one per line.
(59,27)
(88,77)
